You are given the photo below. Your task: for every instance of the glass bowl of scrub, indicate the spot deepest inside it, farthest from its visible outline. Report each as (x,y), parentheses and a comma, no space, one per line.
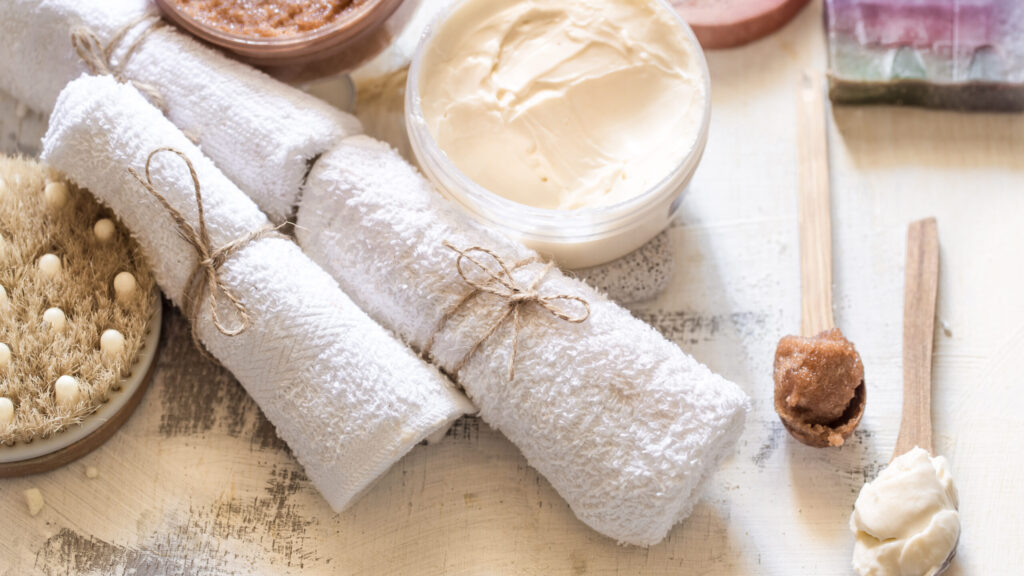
(294,39)
(573,126)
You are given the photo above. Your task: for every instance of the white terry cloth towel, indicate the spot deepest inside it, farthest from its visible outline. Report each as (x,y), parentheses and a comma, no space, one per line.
(347,397)
(263,134)
(621,422)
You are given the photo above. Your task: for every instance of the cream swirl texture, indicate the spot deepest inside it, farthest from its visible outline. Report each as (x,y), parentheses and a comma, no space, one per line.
(906,520)
(564,104)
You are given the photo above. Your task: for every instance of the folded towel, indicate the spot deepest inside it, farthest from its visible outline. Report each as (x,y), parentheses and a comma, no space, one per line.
(621,422)
(261,133)
(348,398)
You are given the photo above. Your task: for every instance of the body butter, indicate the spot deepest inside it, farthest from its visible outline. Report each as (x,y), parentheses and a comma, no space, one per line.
(906,521)
(563,104)
(574,125)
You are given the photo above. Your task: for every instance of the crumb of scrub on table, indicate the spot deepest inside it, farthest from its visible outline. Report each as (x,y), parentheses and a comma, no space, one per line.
(34,500)
(91,472)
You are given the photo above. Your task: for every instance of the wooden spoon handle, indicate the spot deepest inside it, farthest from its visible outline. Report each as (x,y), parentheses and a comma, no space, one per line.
(918,335)
(815,210)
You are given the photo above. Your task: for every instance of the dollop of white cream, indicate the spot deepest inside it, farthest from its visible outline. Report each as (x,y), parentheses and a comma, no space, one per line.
(906,521)
(563,104)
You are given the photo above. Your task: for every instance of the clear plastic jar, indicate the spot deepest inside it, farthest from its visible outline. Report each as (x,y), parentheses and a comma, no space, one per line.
(355,37)
(573,238)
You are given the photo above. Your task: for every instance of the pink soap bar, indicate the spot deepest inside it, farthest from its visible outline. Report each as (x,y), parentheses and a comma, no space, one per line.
(966,54)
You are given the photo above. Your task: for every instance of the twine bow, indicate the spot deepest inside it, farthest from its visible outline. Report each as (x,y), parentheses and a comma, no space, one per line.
(497,279)
(99,58)
(210,260)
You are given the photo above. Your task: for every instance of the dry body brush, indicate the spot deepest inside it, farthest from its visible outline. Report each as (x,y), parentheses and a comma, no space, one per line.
(69,332)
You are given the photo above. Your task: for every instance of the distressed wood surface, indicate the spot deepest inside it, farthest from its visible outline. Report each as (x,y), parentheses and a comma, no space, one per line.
(198,483)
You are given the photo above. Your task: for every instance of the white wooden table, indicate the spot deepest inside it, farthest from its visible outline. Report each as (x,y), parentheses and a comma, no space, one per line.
(197,482)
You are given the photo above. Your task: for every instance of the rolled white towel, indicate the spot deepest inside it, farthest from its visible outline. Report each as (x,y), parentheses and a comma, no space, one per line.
(348,398)
(261,133)
(621,422)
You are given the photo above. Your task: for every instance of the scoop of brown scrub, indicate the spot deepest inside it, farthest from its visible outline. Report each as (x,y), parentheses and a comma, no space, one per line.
(819,387)
(819,378)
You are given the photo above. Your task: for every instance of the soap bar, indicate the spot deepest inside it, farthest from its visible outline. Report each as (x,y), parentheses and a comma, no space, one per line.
(962,54)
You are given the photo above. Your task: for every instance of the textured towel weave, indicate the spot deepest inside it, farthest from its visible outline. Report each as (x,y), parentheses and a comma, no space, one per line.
(621,422)
(347,397)
(261,133)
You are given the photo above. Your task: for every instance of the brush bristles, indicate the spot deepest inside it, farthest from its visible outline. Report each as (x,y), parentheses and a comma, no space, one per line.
(83,291)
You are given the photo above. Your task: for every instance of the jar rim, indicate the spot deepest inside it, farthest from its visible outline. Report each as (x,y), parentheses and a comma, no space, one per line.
(576,222)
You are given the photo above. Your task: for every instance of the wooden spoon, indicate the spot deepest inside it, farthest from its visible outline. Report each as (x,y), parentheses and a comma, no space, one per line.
(822,362)
(921,292)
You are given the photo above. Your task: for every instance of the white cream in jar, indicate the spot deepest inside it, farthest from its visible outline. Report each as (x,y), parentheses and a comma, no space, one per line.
(564,104)
(906,521)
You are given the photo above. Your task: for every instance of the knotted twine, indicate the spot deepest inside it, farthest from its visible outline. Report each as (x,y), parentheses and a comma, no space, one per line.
(207,270)
(99,58)
(516,295)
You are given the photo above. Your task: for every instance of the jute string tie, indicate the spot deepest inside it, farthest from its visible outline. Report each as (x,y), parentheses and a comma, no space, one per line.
(98,58)
(497,279)
(207,270)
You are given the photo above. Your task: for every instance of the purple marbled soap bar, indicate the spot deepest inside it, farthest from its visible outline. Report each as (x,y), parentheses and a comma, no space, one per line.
(966,54)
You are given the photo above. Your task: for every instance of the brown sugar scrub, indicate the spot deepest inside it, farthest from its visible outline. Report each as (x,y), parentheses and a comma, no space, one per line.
(292,40)
(69,330)
(266,18)
(819,378)
(819,387)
